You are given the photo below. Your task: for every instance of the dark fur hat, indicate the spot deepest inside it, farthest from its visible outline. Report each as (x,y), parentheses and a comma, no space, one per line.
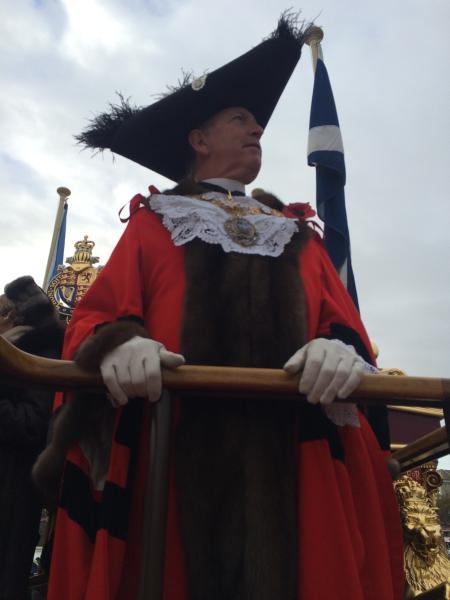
(31,304)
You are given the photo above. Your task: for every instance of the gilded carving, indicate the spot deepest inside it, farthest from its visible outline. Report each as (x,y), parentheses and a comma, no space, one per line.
(72,281)
(426,562)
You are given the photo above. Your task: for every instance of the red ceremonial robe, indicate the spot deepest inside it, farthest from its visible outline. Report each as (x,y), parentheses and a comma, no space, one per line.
(349,535)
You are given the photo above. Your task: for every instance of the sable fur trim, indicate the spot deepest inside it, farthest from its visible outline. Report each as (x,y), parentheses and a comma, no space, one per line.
(249,308)
(83,417)
(236,494)
(268,199)
(235,461)
(93,350)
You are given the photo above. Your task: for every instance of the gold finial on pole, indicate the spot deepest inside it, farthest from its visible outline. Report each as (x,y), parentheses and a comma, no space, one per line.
(313,39)
(63,192)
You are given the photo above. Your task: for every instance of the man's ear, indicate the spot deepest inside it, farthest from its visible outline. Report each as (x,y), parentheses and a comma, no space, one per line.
(197,141)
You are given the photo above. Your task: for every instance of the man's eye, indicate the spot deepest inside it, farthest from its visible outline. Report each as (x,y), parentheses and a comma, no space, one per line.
(239,117)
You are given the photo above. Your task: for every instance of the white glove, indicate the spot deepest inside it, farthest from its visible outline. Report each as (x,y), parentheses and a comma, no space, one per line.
(330,369)
(133,370)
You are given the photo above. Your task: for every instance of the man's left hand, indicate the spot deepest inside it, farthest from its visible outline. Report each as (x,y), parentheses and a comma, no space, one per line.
(331,370)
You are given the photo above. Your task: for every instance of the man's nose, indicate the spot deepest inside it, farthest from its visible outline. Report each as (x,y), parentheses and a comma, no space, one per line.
(257,131)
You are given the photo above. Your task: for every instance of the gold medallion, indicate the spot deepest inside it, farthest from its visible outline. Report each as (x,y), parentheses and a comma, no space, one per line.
(241,231)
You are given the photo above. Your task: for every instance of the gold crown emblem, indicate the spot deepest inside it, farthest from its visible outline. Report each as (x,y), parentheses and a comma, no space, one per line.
(83,252)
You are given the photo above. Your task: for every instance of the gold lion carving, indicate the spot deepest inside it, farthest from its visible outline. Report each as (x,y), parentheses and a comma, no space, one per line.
(426,561)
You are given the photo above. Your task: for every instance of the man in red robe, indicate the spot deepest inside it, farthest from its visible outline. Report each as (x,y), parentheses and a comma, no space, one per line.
(268,499)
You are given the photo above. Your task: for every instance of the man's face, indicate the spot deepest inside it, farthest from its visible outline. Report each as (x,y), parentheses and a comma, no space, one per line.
(229,144)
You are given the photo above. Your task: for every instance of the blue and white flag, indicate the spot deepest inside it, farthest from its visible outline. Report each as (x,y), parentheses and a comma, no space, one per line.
(57,252)
(326,153)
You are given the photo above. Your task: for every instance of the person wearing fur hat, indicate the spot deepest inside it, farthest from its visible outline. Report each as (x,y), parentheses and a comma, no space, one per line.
(268,500)
(27,320)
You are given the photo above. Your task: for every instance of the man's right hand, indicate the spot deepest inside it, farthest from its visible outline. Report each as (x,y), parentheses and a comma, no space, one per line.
(133,370)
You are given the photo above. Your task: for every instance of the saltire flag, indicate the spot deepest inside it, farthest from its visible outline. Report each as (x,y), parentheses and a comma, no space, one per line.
(326,153)
(57,252)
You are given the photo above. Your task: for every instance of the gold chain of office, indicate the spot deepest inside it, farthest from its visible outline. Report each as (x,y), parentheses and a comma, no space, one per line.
(233,207)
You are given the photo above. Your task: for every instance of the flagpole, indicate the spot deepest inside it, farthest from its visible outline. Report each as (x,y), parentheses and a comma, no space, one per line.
(63,194)
(313,39)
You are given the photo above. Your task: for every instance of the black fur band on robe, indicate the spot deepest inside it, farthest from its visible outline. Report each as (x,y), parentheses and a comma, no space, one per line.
(235,459)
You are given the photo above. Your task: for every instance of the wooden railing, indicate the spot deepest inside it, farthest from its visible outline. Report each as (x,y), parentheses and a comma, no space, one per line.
(426,448)
(21,369)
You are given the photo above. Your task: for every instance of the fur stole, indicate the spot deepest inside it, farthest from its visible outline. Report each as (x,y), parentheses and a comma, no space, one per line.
(87,418)
(235,460)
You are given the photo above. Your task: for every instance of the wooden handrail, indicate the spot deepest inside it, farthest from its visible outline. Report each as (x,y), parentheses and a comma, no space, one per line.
(22,369)
(428,447)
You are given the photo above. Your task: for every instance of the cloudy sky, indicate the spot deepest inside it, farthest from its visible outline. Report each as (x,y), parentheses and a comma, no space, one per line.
(63,60)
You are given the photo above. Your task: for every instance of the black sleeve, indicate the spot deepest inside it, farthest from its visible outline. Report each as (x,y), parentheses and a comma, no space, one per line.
(24,416)
(376,415)
(25,411)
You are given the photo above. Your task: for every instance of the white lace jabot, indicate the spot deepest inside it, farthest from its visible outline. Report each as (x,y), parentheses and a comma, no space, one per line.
(187,218)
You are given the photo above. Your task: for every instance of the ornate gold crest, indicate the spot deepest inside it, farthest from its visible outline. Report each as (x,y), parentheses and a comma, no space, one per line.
(426,562)
(72,281)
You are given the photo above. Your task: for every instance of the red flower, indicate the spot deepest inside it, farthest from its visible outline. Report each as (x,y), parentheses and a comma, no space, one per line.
(299,210)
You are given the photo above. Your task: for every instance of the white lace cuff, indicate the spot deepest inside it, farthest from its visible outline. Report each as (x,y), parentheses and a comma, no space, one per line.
(367,366)
(346,414)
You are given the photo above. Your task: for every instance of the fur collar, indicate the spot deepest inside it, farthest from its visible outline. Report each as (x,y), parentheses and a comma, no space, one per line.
(243,310)
(235,461)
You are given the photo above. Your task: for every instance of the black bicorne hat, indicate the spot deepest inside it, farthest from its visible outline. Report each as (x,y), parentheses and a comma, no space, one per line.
(157,136)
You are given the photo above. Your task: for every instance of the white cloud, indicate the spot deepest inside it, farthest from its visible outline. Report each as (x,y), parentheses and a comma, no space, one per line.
(93,31)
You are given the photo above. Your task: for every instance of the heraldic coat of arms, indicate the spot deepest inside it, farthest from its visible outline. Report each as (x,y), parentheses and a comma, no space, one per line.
(72,281)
